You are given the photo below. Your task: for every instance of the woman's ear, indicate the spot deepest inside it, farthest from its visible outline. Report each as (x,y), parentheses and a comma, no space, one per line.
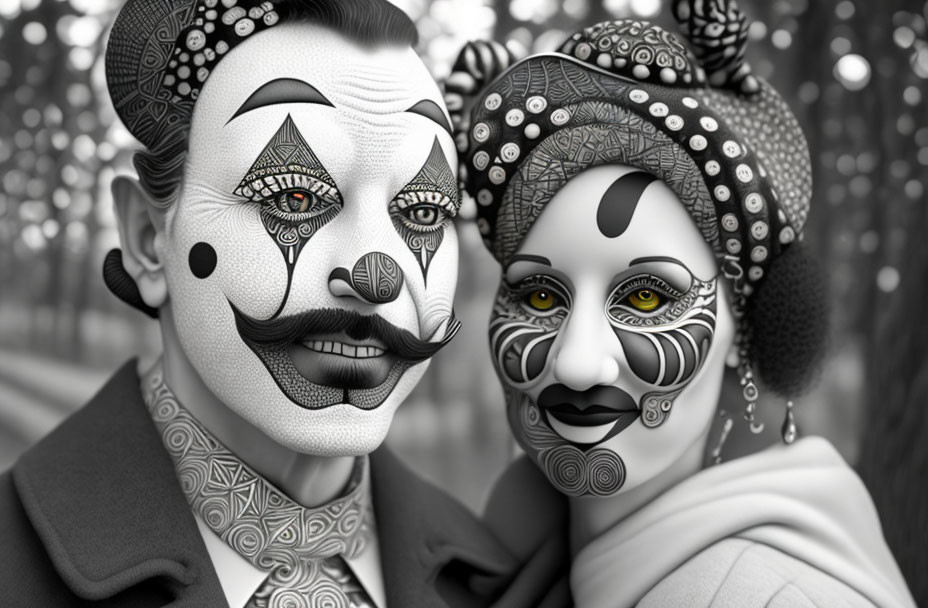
(141,233)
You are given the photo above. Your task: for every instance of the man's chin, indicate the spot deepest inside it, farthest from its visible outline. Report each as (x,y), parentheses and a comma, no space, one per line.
(337,431)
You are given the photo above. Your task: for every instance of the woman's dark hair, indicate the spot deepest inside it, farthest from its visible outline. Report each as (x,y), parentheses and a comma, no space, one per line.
(787,321)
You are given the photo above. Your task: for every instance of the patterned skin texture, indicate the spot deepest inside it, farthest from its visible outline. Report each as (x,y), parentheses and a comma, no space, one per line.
(286,194)
(420,210)
(300,195)
(664,351)
(302,548)
(597,338)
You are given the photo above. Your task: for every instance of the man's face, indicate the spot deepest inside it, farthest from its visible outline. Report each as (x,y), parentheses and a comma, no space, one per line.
(610,332)
(311,260)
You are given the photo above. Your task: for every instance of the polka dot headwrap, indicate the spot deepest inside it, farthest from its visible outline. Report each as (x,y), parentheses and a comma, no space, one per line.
(629,92)
(161,52)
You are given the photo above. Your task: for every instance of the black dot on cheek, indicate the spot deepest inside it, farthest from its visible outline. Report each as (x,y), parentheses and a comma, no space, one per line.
(202,260)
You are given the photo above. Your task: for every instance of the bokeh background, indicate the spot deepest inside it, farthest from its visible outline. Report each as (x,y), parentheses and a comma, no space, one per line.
(855,73)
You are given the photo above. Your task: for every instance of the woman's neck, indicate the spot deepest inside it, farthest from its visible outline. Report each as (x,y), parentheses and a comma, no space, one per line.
(308,479)
(591,516)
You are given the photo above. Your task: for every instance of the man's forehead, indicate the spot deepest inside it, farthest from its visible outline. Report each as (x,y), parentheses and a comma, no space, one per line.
(372,80)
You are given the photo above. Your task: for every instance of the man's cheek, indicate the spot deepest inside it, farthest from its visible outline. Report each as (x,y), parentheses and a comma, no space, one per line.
(228,258)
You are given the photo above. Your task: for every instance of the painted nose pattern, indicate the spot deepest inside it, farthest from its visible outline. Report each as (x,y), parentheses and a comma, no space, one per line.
(377,278)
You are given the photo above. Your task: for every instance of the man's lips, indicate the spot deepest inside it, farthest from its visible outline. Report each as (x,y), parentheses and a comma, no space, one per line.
(342,362)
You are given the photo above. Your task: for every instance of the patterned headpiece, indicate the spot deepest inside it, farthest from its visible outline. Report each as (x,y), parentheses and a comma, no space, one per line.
(628,92)
(161,52)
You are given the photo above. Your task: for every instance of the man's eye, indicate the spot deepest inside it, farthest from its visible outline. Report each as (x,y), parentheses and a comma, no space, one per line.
(295,201)
(424,215)
(541,299)
(644,300)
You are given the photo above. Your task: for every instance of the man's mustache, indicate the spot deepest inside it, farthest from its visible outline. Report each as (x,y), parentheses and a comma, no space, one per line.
(281,332)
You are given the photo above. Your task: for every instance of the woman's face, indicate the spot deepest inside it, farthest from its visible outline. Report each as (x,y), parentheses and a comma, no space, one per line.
(610,332)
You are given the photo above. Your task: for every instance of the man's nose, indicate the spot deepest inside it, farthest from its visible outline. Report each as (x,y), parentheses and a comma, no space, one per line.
(376,279)
(588,351)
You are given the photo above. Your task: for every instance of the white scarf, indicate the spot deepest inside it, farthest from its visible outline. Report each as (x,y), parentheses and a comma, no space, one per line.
(801,499)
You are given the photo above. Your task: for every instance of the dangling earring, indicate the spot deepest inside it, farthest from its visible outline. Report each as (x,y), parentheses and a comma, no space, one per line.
(723,436)
(750,393)
(748,387)
(789,432)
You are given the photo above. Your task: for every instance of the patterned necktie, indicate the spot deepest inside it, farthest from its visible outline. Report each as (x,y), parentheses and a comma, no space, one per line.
(303,549)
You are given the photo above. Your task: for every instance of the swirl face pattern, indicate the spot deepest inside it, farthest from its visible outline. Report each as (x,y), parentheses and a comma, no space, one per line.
(595,472)
(304,549)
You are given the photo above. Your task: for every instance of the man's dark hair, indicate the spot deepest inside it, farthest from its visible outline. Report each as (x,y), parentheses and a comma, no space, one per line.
(135,65)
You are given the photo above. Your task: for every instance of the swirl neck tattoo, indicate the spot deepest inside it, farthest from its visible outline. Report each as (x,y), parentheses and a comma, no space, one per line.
(303,549)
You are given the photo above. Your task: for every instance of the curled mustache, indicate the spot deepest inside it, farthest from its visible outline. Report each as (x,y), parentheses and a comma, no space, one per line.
(283,331)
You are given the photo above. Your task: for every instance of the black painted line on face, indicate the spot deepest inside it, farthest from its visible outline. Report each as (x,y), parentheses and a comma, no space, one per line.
(536,259)
(429,109)
(658,258)
(618,204)
(282,90)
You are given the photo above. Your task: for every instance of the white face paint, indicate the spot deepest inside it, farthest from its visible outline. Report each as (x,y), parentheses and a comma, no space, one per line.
(610,332)
(328,208)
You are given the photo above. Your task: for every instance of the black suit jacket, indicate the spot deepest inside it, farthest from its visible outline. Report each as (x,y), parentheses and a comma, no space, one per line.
(93,516)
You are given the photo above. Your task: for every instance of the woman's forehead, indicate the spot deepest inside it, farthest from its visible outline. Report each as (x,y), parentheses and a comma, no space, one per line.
(607,217)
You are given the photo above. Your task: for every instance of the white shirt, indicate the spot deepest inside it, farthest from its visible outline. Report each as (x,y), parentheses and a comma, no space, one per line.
(240,579)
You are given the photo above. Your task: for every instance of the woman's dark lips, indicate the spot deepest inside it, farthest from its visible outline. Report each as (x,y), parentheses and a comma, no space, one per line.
(585,417)
(594,415)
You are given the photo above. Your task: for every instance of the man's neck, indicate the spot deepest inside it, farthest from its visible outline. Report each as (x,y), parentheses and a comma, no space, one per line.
(308,479)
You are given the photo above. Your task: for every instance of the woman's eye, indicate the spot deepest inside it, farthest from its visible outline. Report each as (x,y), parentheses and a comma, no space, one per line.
(424,215)
(645,300)
(541,299)
(296,201)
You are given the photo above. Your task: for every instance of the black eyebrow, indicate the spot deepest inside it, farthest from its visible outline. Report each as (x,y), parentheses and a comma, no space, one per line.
(430,110)
(658,259)
(537,259)
(282,90)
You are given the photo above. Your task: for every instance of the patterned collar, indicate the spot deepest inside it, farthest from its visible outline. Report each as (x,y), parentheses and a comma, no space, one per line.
(248,513)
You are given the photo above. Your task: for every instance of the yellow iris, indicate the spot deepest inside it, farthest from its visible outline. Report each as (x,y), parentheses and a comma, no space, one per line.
(541,299)
(644,300)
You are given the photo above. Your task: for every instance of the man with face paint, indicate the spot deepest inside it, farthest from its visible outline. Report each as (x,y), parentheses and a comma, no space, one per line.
(290,228)
(644,201)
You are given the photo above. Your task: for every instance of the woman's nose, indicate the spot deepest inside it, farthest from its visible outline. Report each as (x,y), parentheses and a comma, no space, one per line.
(587,355)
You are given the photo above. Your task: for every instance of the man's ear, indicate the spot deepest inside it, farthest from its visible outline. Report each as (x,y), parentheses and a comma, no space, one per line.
(141,233)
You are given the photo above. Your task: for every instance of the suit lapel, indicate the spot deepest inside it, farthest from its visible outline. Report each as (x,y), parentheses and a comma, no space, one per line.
(102,495)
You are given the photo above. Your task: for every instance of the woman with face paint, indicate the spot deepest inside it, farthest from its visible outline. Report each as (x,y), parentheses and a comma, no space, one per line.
(645,200)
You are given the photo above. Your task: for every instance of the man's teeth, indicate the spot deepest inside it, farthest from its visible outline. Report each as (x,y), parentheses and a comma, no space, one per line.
(345,350)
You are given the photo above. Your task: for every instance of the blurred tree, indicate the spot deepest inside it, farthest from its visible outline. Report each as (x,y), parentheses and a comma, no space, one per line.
(894,453)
